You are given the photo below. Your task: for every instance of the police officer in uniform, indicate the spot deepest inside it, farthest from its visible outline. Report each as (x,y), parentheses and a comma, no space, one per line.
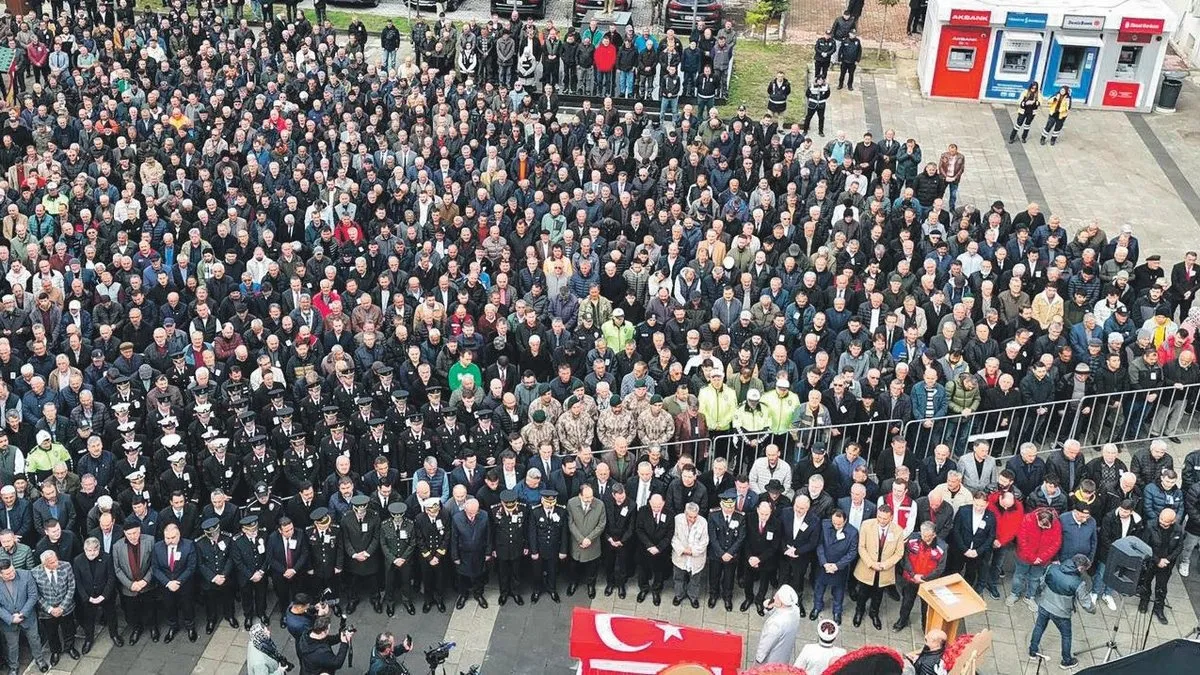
(264,507)
(398,542)
(418,444)
(452,438)
(250,561)
(301,465)
(378,441)
(179,477)
(214,552)
(220,470)
(486,438)
(618,533)
(726,531)
(259,465)
(326,559)
(510,542)
(433,545)
(360,539)
(548,543)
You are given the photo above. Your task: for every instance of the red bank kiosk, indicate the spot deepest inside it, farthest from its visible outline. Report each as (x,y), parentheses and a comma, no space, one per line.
(1109,53)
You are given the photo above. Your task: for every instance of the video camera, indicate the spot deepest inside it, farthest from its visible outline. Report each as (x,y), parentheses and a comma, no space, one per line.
(437,655)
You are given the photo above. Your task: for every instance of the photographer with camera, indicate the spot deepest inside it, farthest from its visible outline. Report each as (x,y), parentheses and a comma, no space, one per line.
(317,649)
(384,656)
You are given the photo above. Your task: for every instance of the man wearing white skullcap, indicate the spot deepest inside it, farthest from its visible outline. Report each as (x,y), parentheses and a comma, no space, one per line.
(778,639)
(815,657)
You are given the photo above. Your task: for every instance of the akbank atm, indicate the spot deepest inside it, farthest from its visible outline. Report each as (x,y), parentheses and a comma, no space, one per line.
(1071,63)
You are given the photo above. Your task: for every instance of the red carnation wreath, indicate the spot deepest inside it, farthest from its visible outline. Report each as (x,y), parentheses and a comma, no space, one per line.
(774,669)
(955,650)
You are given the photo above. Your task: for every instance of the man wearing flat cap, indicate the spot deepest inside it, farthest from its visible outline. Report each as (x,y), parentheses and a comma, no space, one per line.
(548,544)
(132,561)
(251,568)
(360,537)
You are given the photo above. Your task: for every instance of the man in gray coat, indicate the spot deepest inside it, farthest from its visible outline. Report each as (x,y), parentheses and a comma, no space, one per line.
(978,469)
(586,520)
(777,642)
(18,602)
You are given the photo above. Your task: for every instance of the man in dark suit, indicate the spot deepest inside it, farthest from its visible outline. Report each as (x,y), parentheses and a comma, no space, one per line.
(468,474)
(726,534)
(836,555)
(181,513)
(653,528)
(96,586)
(972,537)
(469,549)
(760,555)
(617,554)
(287,558)
(800,533)
(897,455)
(643,485)
(548,543)
(174,567)
(935,468)
(360,538)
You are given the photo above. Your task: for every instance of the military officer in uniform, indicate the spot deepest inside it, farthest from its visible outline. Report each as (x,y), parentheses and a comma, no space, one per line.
(250,562)
(326,559)
(548,544)
(510,542)
(726,532)
(214,552)
(433,546)
(179,477)
(618,533)
(301,466)
(397,540)
(486,439)
(220,470)
(360,539)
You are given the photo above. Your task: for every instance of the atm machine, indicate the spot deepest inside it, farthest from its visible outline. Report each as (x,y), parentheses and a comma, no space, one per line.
(1072,63)
(1016,61)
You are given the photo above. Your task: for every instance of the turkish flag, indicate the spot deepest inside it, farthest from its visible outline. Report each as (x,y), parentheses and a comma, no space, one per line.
(608,643)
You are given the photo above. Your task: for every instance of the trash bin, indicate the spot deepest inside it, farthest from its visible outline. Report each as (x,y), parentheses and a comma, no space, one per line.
(1168,93)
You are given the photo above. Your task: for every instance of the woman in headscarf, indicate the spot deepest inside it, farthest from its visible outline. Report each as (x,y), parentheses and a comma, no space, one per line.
(262,656)
(778,640)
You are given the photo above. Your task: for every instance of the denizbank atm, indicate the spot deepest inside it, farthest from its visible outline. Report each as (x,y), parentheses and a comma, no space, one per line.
(1073,56)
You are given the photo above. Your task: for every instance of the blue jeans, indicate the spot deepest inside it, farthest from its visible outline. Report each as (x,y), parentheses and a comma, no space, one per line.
(625,83)
(1098,585)
(671,105)
(991,573)
(835,583)
(1064,631)
(953,194)
(390,59)
(1027,579)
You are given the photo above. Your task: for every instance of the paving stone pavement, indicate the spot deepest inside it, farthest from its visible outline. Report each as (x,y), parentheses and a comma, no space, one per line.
(1101,169)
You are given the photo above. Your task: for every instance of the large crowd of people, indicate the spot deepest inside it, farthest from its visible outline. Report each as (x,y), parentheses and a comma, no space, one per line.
(281,323)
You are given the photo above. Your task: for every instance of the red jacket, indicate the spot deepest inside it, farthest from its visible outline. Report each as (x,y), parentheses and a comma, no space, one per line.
(1008,522)
(605,58)
(1034,543)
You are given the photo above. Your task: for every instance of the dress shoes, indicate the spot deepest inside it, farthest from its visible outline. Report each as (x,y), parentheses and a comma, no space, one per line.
(54,659)
(745,605)
(519,600)
(377,605)
(87,647)
(641,596)
(247,623)
(695,604)
(712,602)
(425,607)
(192,637)
(759,608)
(391,610)
(534,598)
(621,592)
(135,636)
(608,590)
(571,588)
(728,605)
(118,640)
(410,608)
(154,635)
(676,601)
(441,606)
(210,627)
(232,621)
(812,616)
(555,596)
(837,618)
(73,653)
(591,592)
(877,622)
(899,626)
(169,637)
(857,620)
(461,602)
(42,665)
(503,600)
(657,598)
(481,601)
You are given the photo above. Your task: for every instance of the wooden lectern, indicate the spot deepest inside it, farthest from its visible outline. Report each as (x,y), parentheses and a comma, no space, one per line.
(950,600)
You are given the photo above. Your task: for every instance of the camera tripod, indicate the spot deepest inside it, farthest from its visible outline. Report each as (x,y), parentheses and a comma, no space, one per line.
(1111,645)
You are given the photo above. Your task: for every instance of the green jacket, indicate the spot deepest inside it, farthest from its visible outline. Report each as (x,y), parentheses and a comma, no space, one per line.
(959,398)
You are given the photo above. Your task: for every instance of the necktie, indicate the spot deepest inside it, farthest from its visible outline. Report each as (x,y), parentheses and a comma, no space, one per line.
(287,553)
(741,502)
(762,526)
(171,558)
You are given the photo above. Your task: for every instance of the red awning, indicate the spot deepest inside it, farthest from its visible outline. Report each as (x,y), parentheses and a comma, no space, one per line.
(615,643)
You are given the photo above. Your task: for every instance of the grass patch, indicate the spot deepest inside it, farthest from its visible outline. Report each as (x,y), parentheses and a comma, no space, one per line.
(754,66)
(340,19)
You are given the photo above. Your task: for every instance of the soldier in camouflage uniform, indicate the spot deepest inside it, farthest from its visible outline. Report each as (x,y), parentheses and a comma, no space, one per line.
(545,402)
(615,422)
(640,399)
(575,427)
(590,407)
(540,430)
(655,426)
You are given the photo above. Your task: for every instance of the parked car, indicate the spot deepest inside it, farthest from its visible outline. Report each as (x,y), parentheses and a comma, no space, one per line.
(582,7)
(533,8)
(682,15)
(354,3)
